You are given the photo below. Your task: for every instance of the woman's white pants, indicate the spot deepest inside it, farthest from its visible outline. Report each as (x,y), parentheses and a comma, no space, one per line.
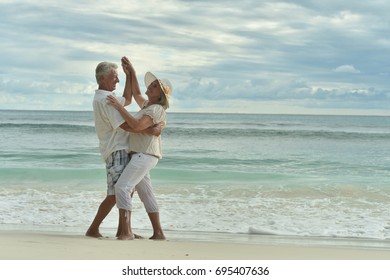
(136,176)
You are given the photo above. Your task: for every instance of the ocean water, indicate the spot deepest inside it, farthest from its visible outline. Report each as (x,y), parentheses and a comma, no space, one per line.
(294,175)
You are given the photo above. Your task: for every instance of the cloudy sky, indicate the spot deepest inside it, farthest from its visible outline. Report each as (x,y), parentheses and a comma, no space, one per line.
(247,56)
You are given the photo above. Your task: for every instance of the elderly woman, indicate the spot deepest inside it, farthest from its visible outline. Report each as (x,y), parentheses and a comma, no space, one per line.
(145,149)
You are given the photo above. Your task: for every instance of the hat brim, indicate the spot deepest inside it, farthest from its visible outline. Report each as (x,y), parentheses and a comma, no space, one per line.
(150,78)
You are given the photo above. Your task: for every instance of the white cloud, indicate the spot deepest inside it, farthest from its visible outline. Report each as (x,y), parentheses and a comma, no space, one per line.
(346,69)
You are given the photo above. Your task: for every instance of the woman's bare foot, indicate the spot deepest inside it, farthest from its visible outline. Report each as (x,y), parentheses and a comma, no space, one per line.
(159,236)
(95,234)
(126,237)
(136,236)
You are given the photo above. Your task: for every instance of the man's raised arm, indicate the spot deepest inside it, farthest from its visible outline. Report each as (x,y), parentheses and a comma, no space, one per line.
(127,92)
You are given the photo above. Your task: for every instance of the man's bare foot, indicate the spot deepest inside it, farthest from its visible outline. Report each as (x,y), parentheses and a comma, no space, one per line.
(95,234)
(126,237)
(158,237)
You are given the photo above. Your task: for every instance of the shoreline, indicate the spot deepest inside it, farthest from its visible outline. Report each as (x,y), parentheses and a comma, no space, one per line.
(49,245)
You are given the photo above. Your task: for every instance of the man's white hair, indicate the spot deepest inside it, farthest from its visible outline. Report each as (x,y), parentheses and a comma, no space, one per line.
(104,68)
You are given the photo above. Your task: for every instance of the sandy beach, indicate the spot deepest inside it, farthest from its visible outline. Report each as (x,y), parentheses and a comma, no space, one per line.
(34,245)
(41,255)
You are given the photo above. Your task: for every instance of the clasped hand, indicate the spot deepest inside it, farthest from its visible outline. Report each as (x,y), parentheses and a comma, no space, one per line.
(127,66)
